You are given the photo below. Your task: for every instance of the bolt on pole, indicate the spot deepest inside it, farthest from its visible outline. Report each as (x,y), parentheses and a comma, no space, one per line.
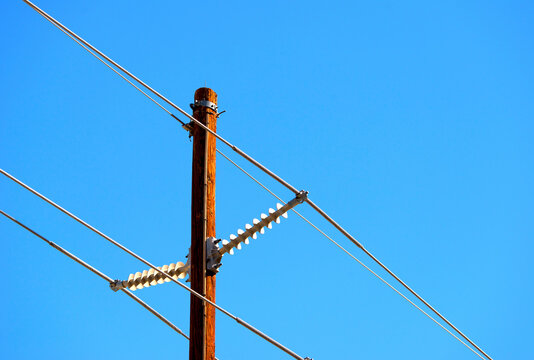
(202,317)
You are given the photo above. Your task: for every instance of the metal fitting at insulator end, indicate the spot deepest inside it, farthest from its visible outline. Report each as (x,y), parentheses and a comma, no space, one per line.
(117,285)
(213,258)
(302,196)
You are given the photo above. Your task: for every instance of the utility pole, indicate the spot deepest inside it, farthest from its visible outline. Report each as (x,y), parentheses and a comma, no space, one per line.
(202,316)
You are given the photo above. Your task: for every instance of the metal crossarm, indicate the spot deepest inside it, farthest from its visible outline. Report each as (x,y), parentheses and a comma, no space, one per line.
(259,226)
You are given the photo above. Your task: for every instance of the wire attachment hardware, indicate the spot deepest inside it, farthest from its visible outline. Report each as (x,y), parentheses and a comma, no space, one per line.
(177,271)
(213,257)
(117,285)
(198,103)
(188,127)
(205,103)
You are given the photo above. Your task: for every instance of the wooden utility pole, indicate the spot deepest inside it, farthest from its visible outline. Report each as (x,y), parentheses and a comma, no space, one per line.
(202,316)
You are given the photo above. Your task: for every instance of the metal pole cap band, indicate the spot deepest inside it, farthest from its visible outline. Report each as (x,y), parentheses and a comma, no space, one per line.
(205,103)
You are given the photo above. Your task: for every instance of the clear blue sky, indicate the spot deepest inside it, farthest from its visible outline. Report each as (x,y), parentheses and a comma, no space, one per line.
(410,122)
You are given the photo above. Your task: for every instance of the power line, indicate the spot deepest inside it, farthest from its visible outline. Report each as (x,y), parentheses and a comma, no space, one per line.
(233,147)
(261,167)
(351,238)
(109,66)
(348,253)
(357,243)
(122,247)
(97,272)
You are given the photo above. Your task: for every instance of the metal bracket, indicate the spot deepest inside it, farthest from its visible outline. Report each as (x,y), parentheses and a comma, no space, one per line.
(189,128)
(213,257)
(116,285)
(205,103)
(302,196)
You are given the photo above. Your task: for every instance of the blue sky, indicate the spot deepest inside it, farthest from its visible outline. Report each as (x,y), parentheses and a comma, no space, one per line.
(411,123)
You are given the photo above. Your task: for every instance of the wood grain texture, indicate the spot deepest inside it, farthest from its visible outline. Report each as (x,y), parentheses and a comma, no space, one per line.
(202,321)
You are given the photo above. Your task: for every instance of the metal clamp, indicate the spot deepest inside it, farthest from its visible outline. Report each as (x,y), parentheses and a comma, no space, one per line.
(205,103)
(301,196)
(213,257)
(116,285)
(189,128)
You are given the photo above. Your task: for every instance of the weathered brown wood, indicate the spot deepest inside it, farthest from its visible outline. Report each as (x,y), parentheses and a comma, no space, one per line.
(202,317)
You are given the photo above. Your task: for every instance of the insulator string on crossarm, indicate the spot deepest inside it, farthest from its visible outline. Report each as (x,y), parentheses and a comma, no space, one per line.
(165,275)
(147,278)
(258,165)
(347,252)
(259,225)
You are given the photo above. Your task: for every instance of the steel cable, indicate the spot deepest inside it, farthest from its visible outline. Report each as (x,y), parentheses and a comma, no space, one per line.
(368,253)
(233,147)
(122,247)
(260,166)
(111,67)
(97,272)
(348,253)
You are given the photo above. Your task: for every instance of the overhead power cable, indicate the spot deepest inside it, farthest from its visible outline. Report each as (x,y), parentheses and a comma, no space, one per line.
(260,166)
(233,147)
(377,261)
(368,253)
(109,66)
(164,274)
(347,252)
(97,272)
